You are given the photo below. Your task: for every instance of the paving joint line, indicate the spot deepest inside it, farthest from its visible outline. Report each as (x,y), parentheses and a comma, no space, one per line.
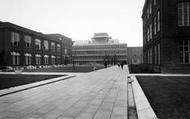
(35,86)
(115,100)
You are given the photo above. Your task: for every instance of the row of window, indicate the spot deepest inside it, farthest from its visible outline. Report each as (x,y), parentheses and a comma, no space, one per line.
(183,13)
(101,46)
(100,52)
(154,27)
(28,59)
(183,18)
(99,57)
(15,39)
(149,9)
(153,55)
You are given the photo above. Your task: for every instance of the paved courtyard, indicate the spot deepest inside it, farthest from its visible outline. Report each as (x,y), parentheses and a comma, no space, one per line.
(100,94)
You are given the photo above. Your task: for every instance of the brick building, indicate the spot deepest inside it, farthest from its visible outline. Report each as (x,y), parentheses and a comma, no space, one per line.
(166,35)
(20,46)
(66,43)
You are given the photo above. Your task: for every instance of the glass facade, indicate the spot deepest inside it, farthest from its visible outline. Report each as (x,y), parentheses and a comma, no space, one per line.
(100,53)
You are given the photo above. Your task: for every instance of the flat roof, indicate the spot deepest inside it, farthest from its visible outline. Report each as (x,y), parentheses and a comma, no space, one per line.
(26,30)
(101,35)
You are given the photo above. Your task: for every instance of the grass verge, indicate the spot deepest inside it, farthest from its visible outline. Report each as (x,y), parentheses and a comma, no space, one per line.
(7,81)
(169,96)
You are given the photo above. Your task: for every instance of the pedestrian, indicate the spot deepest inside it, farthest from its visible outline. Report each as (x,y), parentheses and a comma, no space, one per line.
(94,68)
(105,64)
(118,65)
(122,65)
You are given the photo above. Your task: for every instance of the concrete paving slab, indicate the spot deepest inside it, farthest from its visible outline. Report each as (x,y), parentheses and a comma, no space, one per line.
(99,95)
(32,85)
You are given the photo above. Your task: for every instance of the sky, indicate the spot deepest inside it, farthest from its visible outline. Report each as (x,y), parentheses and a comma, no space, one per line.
(78,19)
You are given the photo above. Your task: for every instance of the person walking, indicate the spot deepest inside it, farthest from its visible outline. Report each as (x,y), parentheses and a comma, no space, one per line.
(118,64)
(122,65)
(105,64)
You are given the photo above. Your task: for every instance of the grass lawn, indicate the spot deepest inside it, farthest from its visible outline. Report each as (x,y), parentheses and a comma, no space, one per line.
(8,80)
(169,96)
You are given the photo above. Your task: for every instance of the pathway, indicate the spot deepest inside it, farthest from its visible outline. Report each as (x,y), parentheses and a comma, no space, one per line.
(100,94)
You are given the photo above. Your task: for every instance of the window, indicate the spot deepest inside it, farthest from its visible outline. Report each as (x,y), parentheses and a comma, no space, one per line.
(15,58)
(46,57)
(150,8)
(151,56)
(58,47)
(148,56)
(184,51)
(154,2)
(46,45)
(53,60)
(148,38)
(184,14)
(155,24)
(38,44)
(28,58)
(60,38)
(155,55)
(150,31)
(158,15)
(27,40)
(38,59)
(147,13)
(158,48)
(53,46)
(15,39)
(58,60)
(66,51)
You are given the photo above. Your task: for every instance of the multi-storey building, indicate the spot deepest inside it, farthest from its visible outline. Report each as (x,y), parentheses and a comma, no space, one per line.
(166,35)
(66,47)
(20,46)
(100,50)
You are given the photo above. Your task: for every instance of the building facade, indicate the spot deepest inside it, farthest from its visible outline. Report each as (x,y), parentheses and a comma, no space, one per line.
(66,43)
(135,55)
(100,49)
(166,35)
(20,46)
